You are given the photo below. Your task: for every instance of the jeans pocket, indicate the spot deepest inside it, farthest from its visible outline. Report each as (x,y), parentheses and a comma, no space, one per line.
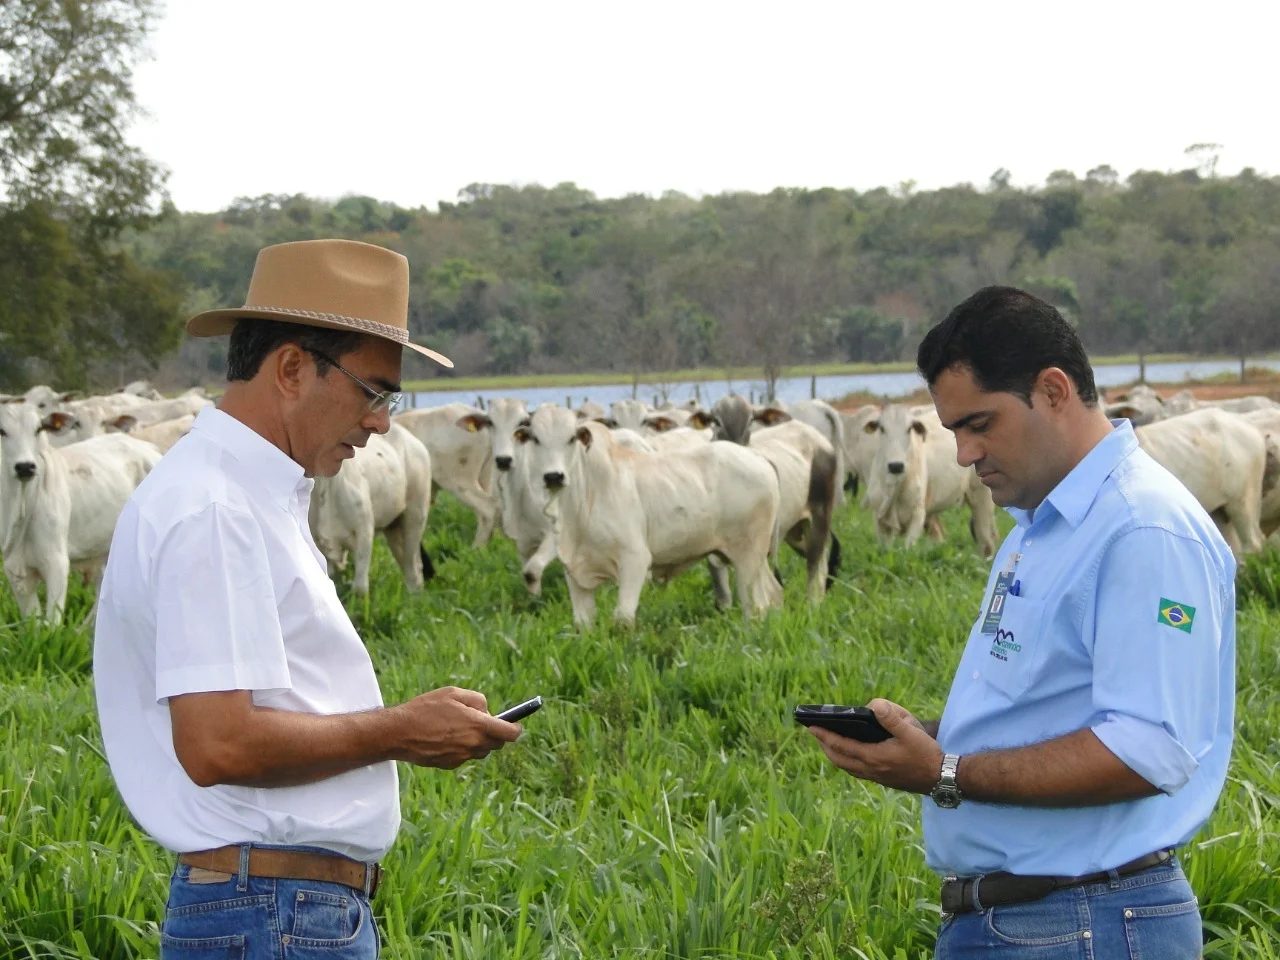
(201,948)
(1041,923)
(1164,932)
(322,916)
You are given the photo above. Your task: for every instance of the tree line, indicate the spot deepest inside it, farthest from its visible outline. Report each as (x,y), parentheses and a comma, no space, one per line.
(98,270)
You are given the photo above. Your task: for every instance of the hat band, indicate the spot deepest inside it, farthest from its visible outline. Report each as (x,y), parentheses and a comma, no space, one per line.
(369,326)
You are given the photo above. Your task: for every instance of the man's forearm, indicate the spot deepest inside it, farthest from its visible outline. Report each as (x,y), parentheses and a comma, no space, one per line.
(1075,770)
(223,737)
(281,748)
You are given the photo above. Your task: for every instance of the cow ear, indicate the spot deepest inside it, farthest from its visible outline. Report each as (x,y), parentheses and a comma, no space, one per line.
(1123,412)
(608,422)
(771,416)
(56,421)
(523,434)
(660,424)
(124,423)
(700,420)
(919,428)
(69,395)
(474,422)
(871,426)
(583,436)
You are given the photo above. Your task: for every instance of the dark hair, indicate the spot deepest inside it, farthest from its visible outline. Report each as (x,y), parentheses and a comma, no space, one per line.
(1006,337)
(252,339)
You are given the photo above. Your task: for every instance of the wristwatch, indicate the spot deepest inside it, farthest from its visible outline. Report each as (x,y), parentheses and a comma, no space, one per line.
(946,794)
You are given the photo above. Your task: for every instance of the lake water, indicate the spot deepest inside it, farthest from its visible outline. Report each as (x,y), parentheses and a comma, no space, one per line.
(833,387)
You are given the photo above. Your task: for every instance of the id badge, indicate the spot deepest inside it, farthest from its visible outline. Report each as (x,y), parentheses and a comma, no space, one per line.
(995,609)
(1004,583)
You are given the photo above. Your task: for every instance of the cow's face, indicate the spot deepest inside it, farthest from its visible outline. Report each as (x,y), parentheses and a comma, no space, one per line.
(21,438)
(628,413)
(506,415)
(898,436)
(549,440)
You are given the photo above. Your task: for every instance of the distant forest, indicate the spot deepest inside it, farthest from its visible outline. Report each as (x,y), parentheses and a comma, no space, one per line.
(533,279)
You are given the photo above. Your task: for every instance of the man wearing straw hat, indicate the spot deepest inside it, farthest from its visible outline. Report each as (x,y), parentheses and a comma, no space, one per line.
(240,712)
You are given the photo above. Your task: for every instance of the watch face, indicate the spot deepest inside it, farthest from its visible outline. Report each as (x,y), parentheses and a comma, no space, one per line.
(946,797)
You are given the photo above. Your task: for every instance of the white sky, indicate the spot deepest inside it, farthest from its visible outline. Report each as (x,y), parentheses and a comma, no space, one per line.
(411,101)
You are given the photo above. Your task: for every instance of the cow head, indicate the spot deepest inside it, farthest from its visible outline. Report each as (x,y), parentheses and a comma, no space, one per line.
(506,416)
(22,438)
(899,437)
(548,439)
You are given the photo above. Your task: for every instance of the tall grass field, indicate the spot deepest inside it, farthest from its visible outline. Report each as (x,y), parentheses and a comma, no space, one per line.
(662,804)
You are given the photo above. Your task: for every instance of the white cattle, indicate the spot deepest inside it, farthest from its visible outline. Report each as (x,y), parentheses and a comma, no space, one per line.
(165,433)
(385,487)
(157,411)
(859,446)
(1267,422)
(461,461)
(914,476)
(523,502)
(628,413)
(88,417)
(1221,458)
(1140,405)
(58,506)
(822,417)
(807,468)
(590,410)
(622,513)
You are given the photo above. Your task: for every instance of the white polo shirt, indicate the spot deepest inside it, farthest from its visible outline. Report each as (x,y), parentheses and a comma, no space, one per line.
(215,583)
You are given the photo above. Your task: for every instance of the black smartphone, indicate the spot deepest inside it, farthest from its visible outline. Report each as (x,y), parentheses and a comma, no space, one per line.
(856,723)
(520,710)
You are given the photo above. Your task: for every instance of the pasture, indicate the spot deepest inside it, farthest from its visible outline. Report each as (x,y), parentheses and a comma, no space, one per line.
(661,805)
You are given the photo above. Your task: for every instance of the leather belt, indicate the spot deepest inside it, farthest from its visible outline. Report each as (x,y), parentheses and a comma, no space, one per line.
(290,865)
(967,894)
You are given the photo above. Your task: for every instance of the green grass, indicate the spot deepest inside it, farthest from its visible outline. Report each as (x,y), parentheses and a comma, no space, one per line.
(661,805)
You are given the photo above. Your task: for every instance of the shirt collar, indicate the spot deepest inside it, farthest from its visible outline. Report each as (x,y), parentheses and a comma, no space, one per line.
(282,476)
(1075,493)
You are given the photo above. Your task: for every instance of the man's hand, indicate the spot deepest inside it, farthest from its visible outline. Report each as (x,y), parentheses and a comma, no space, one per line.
(909,760)
(447,727)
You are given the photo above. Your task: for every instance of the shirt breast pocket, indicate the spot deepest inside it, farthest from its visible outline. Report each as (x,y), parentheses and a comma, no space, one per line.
(1013,650)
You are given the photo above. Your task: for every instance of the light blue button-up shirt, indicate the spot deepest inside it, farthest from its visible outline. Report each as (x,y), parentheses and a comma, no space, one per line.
(1122,621)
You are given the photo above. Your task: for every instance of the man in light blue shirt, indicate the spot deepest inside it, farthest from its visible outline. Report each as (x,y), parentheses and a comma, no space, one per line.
(1089,725)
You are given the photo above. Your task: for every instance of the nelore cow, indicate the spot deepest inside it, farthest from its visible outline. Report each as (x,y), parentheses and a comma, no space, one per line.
(622,513)
(808,472)
(385,487)
(461,460)
(1221,458)
(914,476)
(59,506)
(523,501)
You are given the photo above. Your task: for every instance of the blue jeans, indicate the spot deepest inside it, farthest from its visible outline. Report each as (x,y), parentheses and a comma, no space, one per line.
(259,918)
(1151,915)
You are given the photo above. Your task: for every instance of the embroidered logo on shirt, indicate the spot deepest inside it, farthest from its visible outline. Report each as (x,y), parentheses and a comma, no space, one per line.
(1180,616)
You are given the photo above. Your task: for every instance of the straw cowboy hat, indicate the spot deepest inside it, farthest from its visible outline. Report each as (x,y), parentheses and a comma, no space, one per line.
(341,284)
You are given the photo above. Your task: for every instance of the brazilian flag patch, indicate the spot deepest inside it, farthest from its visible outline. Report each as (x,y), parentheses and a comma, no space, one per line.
(1180,616)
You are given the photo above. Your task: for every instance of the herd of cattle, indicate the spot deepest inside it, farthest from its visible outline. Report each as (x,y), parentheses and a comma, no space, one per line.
(617,496)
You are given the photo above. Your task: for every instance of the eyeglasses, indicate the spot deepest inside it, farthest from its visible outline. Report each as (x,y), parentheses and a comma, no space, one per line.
(379,400)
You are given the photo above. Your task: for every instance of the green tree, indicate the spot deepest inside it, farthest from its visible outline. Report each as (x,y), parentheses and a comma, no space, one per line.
(76,312)
(75,306)
(66,98)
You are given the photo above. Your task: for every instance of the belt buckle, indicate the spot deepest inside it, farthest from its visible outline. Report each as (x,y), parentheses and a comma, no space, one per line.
(372,878)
